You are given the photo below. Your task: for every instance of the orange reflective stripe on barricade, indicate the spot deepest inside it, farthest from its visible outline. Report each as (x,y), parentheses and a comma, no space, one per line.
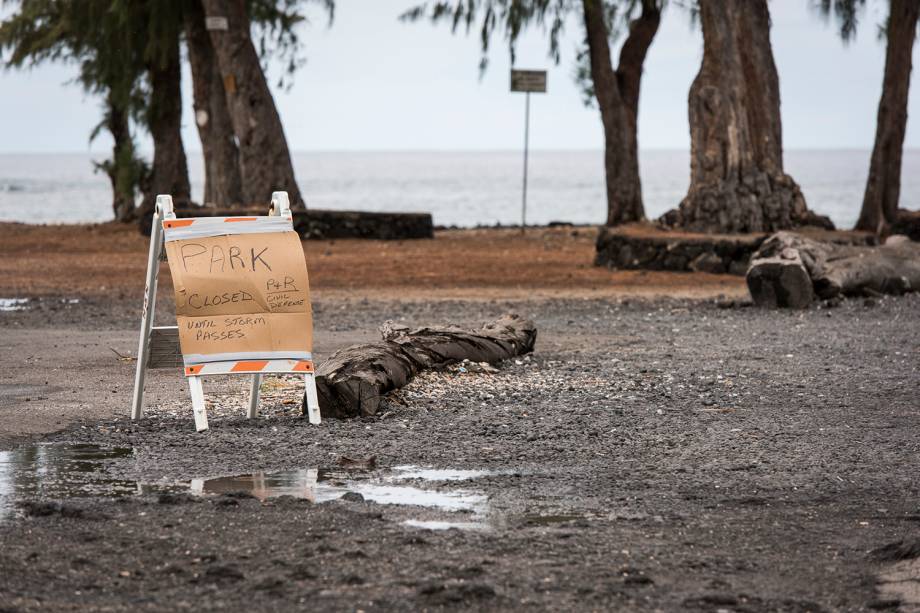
(178,223)
(249,366)
(303,366)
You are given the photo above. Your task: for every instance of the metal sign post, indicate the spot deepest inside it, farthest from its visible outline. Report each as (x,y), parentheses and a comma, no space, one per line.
(527,81)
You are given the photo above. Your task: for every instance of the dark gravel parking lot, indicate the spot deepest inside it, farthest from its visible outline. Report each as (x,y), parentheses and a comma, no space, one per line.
(666,455)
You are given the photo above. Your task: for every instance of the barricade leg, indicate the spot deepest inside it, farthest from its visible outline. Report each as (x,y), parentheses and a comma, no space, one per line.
(150,306)
(201,414)
(312,399)
(254,397)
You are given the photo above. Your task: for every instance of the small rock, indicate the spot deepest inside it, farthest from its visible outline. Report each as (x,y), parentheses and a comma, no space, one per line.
(904,549)
(175,498)
(707,262)
(270,584)
(361,463)
(40,509)
(444,594)
(353,579)
(46,509)
(883,604)
(711,600)
(224,573)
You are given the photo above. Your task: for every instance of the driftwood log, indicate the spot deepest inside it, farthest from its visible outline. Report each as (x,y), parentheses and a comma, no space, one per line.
(790,270)
(354,381)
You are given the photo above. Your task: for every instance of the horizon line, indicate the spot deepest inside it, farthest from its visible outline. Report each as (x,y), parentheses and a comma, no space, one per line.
(458,150)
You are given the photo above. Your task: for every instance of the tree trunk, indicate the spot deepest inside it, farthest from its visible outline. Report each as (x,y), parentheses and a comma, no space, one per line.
(354,381)
(223,184)
(737,182)
(169,174)
(265,161)
(617,94)
(880,202)
(121,168)
(790,270)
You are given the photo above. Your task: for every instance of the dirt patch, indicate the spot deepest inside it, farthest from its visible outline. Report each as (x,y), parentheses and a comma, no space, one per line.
(108,261)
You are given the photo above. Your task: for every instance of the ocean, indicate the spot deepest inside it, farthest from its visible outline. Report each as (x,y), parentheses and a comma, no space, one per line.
(458,188)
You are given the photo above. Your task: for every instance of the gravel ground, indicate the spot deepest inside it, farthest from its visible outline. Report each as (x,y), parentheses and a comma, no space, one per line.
(660,455)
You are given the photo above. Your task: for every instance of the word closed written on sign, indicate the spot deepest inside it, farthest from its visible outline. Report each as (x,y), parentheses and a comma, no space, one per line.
(533,81)
(241,294)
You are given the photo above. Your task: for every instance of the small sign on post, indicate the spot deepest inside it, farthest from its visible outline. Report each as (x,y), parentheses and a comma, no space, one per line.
(218,24)
(527,81)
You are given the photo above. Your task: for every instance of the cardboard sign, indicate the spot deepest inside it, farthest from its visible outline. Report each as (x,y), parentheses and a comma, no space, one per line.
(241,297)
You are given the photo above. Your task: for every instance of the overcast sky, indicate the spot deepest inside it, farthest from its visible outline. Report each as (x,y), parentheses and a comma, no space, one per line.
(374,83)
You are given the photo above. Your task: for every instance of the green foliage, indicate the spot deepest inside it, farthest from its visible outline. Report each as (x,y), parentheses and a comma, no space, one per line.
(510,18)
(34,33)
(845,12)
(95,35)
(581,73)
(115,43)
(275,35)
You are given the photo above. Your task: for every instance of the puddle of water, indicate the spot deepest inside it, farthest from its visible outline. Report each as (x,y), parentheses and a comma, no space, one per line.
(58,471)
(445,525)
(325,485)
(438,474)
(24,304)
(13,304)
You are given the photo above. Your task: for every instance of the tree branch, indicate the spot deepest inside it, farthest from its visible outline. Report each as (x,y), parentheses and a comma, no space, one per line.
(606,88)
(642,31)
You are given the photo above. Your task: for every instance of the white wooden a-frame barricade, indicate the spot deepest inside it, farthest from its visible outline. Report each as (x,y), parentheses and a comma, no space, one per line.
(159,345)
